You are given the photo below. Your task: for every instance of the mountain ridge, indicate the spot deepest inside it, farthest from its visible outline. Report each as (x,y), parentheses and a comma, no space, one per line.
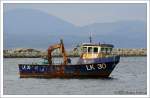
(37,29)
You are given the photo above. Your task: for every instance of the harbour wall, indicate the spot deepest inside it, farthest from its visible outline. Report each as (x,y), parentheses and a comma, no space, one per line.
(35,53)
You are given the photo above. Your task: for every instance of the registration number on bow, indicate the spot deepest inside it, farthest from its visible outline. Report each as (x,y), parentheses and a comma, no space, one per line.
(98,66)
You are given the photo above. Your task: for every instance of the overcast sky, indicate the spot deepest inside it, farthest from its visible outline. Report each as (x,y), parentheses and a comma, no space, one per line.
(83,14)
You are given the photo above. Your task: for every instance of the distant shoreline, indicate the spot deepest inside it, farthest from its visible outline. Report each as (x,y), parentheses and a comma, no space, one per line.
(34,53)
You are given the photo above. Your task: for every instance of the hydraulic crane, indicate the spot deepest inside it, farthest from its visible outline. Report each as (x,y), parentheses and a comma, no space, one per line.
(62,50)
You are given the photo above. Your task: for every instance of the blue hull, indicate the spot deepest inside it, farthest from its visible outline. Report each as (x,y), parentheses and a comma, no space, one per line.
(92,70)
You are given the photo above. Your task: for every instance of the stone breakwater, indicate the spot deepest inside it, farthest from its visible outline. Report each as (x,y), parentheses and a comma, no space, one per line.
(34,53)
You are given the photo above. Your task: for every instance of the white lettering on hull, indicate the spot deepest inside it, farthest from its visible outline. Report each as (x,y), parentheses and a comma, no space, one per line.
(98,66)
(90,67)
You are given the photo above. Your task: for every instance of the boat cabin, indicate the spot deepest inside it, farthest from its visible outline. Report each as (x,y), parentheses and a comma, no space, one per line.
(90,50)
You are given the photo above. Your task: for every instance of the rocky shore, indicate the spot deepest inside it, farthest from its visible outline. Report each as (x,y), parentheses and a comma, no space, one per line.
(34,53)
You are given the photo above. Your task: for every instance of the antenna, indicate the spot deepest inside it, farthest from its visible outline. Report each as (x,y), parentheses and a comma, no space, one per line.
(90,37)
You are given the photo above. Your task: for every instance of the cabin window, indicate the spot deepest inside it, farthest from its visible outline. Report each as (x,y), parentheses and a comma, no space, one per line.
(106,49)
(109,50)
(84,49)
(102,49)
(95,49)
(89,49)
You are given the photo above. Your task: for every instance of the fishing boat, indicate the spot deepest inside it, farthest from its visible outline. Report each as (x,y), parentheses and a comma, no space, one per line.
(95,61)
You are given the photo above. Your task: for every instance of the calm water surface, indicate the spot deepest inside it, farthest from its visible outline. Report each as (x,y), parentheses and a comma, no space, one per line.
(129,77)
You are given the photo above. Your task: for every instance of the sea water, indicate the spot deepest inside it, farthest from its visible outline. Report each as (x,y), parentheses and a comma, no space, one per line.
(128,78)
